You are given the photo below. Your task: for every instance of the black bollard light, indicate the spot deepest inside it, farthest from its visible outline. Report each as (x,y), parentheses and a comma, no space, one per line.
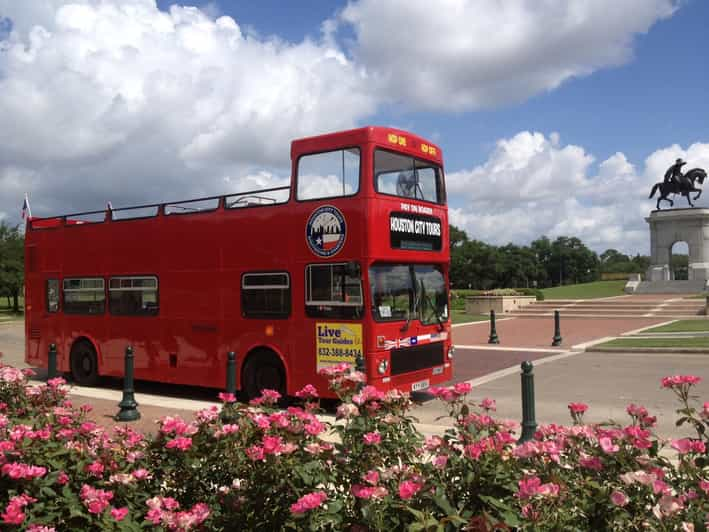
(557,330)
(231,373)
(128,406)
(529,423)
(52,362)
(493,330)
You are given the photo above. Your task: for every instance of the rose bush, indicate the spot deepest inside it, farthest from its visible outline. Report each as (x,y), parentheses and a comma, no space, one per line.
(255,467)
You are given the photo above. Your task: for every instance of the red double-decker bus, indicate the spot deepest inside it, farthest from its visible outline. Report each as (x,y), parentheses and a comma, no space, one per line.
(349,263)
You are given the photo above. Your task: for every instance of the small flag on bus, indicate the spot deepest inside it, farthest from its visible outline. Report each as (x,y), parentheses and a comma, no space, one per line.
(26,211)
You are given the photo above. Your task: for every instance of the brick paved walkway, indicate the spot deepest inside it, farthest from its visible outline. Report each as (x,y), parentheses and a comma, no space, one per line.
(537,333)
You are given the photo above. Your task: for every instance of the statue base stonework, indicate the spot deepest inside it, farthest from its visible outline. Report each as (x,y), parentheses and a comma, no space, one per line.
(666,229)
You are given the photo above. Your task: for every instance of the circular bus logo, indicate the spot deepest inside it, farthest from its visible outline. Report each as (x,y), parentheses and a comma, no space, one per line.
(326,231)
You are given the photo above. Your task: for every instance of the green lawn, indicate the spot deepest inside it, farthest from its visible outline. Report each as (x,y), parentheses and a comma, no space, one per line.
(585,290)
(657,342)
(458,316)
(682,326)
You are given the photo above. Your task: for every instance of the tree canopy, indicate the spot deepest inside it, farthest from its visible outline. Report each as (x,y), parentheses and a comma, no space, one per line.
(12,260)
(543,263)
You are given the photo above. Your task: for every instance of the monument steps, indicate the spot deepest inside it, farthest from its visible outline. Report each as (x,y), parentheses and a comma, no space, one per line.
(671,287)
(679,308)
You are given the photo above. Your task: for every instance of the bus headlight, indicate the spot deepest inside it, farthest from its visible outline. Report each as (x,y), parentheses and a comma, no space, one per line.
(451,352)
(382,367)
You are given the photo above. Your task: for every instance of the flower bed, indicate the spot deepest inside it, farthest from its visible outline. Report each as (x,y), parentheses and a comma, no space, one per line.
(254,467)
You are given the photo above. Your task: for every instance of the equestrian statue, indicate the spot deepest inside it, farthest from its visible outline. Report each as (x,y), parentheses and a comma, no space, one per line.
(677,183)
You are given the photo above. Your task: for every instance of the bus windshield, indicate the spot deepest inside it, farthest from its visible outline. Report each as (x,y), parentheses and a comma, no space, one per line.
(406,291)
(407,177)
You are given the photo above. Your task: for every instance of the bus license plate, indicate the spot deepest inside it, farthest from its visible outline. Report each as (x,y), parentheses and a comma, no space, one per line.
(420,385)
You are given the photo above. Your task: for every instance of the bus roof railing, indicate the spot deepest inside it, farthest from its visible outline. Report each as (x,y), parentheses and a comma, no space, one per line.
(150,210)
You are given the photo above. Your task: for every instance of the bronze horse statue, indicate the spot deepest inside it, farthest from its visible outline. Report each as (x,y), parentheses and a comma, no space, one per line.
(685,186)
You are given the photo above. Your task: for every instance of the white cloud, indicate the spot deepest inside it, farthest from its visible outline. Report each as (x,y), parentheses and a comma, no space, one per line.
(119,100)
(532,185)
(116,100)
(457,54)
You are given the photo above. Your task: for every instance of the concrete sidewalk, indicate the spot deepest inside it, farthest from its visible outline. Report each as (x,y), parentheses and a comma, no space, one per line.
(607,382)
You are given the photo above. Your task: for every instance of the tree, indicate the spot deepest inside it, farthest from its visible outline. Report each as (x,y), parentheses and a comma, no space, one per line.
(457,237)
(12,260)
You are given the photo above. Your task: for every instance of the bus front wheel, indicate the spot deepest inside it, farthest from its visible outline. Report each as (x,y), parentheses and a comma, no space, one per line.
(84,364)
(263,370)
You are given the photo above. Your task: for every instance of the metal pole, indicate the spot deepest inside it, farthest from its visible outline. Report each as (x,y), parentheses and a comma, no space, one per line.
(557,330)
(493,330)
(52,362)
(529,423)
(231,372)
(128,406)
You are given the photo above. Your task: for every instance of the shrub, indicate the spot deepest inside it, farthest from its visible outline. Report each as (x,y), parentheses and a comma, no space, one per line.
(255,467)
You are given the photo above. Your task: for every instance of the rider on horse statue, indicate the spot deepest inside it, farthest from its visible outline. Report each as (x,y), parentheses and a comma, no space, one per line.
(674,174)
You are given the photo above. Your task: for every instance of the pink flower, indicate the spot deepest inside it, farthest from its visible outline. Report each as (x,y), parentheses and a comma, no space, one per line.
(346,411)
(142,474)
(462,388)
(268,397)
(636,410)
(440,461)
(255,452)
(679,380)
(119,513)
(619,498)
(227,397)
(531,486)
(62,478)
(179,443)
(227,429)
(40,528)
(272,444)
(591,462)
(19,471)
(369,492)
(409,488)
(95,500)
(314,427)
(704,486)
(96,469)
(607,445)
(371,477)
(688,445)
(56,382)
(307,392)
(578,408)
(488,404)
(13,514)
(308,502)
(372,438)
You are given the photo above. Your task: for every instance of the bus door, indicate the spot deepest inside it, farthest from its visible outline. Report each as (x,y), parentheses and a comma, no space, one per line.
(44,319)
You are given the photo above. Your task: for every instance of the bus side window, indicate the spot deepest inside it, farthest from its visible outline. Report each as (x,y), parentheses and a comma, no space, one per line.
(333,291)
(52,295)
(265,295)
(84,295)
(133,296)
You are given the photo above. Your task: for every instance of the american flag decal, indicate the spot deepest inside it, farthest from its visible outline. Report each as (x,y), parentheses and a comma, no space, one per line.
(414,340)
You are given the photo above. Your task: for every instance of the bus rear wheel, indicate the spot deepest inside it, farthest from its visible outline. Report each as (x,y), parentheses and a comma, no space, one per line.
(263,370)
(84,364)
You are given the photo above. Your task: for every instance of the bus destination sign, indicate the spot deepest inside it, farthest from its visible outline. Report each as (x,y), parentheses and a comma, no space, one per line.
(415,231)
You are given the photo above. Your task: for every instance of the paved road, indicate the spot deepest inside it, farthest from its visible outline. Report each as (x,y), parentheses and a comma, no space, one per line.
(606,381)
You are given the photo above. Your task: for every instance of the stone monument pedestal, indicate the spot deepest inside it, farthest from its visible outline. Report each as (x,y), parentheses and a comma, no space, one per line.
(667,228)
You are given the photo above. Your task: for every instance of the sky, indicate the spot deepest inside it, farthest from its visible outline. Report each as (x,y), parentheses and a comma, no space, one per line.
(554,117)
